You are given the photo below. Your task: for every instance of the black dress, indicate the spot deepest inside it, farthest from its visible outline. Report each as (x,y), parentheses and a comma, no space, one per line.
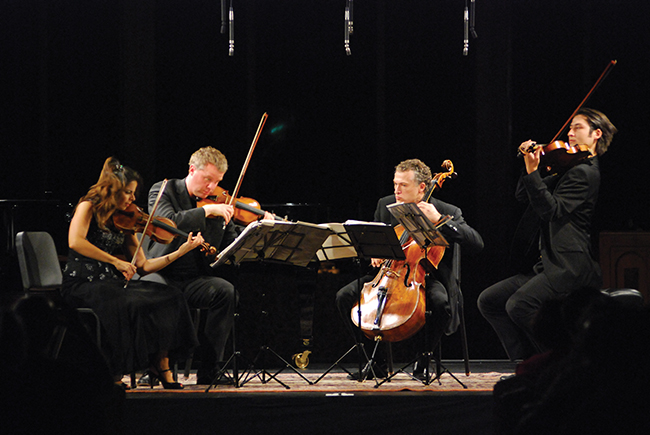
(137,321)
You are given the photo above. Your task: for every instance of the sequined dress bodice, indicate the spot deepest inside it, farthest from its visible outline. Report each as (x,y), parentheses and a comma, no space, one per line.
(82,267)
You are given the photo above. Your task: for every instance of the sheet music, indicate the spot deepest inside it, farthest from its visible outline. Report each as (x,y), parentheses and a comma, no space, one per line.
(374,237)
(251,234)
(337,245)
(420,228)
(276,241)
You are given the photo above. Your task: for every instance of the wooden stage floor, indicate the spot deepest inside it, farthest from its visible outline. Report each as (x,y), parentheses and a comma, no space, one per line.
(317,404)
(483,376)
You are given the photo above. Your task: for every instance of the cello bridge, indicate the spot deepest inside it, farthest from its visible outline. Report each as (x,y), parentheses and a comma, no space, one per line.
(392,274)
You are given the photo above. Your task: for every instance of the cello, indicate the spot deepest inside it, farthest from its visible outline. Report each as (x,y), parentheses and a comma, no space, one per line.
(393,303)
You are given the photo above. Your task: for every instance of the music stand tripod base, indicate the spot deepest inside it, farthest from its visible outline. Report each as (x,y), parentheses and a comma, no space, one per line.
(291,243)
(362,240)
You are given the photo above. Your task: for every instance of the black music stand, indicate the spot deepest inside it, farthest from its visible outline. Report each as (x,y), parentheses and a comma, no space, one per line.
(293,243)
(360,240)
(426,234)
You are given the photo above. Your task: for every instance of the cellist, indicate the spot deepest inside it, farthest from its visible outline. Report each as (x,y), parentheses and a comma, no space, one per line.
(412,179)
(562,205)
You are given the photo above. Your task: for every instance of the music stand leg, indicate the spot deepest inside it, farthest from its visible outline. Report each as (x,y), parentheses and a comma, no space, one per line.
(361,350)
(223,371)
(426,356)
(264,375)
(371,363)
(358,332)
(428,378)
(440,370)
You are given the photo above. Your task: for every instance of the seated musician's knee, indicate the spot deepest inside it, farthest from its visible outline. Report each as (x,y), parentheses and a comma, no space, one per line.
(520,311)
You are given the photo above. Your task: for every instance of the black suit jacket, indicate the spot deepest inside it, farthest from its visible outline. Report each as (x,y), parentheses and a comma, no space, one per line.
(564,205)
(177,205)
(456,231)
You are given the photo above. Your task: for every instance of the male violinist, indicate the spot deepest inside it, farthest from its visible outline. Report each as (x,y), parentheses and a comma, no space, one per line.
(563,205)
(193,275)
(411,181)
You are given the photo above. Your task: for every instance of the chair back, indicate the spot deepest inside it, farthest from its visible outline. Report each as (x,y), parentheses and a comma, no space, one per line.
(153,277)
(38,260)
(628,296)
(454,293)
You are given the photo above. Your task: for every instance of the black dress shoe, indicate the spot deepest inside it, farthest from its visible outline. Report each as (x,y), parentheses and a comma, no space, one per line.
(419,371)
(145,380)
(209,378)
(366,373)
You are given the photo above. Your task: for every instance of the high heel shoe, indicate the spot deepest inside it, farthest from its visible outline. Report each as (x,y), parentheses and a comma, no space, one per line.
(154,375)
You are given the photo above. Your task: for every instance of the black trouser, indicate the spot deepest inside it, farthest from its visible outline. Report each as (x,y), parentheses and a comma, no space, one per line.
(511,305)
(219,297)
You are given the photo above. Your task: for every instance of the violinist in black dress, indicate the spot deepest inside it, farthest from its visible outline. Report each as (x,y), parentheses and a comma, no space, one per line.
(143,323)
(563,203)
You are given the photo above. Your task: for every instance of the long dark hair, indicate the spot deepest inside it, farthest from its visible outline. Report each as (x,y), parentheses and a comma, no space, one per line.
(598,120)
(103,195)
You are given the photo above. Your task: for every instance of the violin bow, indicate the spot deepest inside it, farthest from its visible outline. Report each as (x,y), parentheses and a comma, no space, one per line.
(146,226)
(604,74)
(248,158)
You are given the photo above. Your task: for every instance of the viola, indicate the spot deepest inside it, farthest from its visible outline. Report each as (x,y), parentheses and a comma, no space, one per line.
(247,210)
(162,230)
(393,304)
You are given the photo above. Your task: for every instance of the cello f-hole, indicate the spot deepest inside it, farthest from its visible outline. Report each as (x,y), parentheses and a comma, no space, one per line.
(406,278)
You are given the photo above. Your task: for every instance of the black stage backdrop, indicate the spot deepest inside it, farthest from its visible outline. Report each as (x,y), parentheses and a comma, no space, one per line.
(151,81)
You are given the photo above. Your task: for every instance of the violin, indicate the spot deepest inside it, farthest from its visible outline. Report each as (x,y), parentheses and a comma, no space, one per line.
(559,154)
(393,304)
(162,230)
(247,210)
